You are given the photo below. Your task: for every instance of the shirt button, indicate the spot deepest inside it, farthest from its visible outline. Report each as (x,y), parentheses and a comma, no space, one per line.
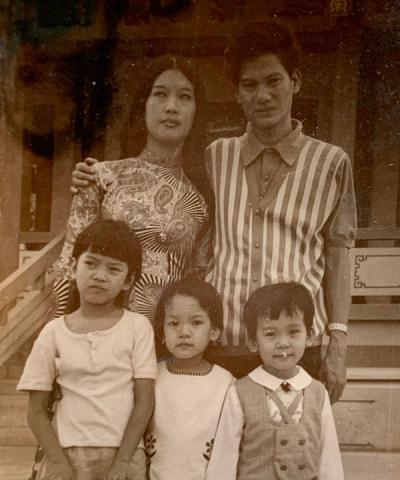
(302,441)
(284,442)
(283,467)
(302,467)
(256,245)
(255,279)
(266,178)
(257,212)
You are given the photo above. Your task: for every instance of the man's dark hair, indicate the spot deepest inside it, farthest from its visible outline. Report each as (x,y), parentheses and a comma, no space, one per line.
(112,239)
(255,40)
(271,300)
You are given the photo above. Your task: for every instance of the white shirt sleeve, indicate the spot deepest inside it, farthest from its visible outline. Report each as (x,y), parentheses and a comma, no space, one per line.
(331,467)
(144,363)
(225,452)
(40,368)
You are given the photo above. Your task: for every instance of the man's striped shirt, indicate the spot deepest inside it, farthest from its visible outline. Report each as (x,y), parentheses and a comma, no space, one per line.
(308,205)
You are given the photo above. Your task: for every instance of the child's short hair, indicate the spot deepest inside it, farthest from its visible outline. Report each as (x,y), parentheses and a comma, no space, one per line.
(203,292)
(255,40)
(111,238)
(273,299)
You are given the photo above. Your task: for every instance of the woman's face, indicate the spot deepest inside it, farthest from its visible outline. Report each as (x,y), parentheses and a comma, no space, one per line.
(170,108)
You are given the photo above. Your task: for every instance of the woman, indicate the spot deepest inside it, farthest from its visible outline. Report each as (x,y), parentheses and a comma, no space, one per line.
(156,192)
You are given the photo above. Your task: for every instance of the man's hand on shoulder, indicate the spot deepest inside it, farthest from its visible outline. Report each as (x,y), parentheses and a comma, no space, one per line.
(333,367)
(83,174)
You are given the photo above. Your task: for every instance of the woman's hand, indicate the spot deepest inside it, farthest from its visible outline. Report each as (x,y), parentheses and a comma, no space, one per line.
(83,174)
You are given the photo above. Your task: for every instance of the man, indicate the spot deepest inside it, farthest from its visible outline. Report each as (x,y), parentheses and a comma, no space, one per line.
(285,207)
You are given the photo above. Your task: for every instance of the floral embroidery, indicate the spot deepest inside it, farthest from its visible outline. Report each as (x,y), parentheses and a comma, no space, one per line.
(150,445)
(209,447)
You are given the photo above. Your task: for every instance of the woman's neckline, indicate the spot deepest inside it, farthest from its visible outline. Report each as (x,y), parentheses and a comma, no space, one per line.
(169,161)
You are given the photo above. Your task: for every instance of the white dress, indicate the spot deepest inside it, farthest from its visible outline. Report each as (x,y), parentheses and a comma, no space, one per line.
(181,434)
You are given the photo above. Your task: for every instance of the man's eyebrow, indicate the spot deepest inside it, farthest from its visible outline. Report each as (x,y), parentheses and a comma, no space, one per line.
(244,78)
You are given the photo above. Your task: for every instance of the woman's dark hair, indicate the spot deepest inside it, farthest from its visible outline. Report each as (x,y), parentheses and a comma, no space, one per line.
(195,143)
(271,300)
(113,239)
(271,37)
(203,292)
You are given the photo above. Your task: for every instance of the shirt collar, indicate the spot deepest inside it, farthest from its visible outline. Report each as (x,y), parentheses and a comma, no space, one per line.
(288,148)
(300,381)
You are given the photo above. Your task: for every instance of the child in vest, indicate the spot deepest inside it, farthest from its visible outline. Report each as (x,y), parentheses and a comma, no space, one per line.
(190,391)
(277,422)
(104,360)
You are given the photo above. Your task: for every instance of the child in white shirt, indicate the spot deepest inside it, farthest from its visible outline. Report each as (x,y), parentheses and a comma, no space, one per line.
(277,422)
(103,358)
(190,391)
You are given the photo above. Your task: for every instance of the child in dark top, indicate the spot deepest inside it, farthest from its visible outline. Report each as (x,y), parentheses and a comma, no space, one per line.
(277,422)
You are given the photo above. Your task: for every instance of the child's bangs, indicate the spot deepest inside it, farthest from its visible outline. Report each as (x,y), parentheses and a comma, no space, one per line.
(119,253)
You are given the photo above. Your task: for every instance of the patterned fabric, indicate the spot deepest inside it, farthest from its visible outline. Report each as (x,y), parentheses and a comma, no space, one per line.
(159,203)
(281,236)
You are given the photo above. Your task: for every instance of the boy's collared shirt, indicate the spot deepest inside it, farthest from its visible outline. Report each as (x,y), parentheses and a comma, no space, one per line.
(225,454)
(297,383)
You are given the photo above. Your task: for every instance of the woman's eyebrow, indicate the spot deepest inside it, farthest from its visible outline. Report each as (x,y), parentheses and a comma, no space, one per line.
(181,89)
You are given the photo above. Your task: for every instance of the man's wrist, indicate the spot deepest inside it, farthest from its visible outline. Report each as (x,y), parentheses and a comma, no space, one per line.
(337,327)
(337,342)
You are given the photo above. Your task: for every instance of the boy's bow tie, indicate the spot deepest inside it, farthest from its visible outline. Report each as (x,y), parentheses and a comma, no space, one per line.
(286,386)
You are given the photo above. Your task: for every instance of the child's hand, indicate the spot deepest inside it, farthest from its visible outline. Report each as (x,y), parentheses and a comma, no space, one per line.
(59,471)
(118,471)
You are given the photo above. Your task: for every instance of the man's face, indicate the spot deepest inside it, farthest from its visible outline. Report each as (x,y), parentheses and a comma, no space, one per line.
(265,94)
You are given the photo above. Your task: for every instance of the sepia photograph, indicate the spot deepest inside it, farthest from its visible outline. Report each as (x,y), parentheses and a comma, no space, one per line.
(199,239)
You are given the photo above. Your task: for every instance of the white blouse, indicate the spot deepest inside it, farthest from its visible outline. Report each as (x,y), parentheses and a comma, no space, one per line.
(187,411)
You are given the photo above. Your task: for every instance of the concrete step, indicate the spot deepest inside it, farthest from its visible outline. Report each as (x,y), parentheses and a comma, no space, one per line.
(14,429)
(13,410)
(371,465)
(16,462)
(8,386)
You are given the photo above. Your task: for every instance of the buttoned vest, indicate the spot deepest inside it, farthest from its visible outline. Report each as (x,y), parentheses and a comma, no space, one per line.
(270,450)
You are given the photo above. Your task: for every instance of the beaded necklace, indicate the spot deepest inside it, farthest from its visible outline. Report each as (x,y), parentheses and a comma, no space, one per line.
(172,370)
